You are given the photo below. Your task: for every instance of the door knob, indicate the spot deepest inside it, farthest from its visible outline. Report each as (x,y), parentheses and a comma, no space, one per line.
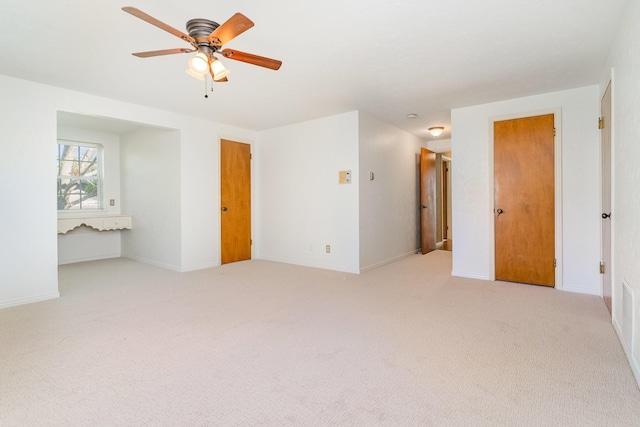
(424,206)
(500,211)
(224,208)
(606,215)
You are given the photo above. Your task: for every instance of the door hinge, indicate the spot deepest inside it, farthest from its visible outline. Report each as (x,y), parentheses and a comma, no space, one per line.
(250,156)
(554,131)
(600,122)
(601,267)
(251,241)
(554,263)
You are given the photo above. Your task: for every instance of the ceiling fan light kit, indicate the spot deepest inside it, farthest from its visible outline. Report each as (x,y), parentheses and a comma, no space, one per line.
(206,38)
(199,63)
(218,70)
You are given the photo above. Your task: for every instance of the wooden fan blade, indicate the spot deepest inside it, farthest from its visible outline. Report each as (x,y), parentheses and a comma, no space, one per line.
(232,28)
(153,21)
(162,52)
(261,61)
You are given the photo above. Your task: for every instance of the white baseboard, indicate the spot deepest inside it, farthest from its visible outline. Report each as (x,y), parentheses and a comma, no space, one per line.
(199,267)
(142,260)
(635,365)
(154,262)
(307,264)
(388,261)
(469,275)
(578,290)
(91,258)
(29,300)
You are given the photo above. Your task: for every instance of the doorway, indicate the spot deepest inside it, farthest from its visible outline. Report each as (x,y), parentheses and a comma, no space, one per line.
(235,201)
(524,200)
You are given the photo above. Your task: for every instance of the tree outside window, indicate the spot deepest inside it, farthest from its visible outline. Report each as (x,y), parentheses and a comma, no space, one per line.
(79,175)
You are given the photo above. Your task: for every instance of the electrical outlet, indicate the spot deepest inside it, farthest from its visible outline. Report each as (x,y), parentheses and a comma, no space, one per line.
(328,249)
(112,202)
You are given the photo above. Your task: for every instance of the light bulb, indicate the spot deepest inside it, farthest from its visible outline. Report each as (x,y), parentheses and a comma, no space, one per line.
(218,69)
(199,63)
(436,131)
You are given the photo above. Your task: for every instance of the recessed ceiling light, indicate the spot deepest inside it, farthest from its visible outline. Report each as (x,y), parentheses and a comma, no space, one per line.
(412,116)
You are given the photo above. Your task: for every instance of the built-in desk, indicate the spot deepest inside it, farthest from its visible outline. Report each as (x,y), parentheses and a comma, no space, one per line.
(100,223)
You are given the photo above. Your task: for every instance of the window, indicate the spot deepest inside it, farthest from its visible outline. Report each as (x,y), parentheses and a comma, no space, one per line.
(79,175)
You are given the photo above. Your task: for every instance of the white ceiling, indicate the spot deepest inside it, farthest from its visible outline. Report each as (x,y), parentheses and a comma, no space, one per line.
(386,58)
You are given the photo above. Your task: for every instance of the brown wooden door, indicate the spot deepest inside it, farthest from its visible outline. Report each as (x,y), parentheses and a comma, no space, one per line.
(235,201)
(605,138)
(427,200)
(524,200)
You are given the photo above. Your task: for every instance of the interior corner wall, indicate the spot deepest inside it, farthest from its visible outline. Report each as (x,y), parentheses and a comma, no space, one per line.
(151,195)
(301,206)
(471,181)
(625,213)
(389,215)
(82,243)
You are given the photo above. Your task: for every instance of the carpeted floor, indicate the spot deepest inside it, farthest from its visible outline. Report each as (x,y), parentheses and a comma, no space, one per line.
(261,343)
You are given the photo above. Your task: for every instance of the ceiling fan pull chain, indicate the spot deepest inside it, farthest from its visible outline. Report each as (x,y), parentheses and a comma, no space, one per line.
(205,87)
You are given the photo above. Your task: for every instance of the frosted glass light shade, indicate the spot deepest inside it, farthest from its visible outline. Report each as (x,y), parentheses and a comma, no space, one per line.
(199,63)
(219,70)
(436,131)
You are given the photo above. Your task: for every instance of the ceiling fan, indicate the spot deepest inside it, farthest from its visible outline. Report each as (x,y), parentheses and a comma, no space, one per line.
(206,39)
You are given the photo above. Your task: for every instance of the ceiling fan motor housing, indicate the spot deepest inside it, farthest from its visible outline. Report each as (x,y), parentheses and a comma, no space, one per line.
(200,29)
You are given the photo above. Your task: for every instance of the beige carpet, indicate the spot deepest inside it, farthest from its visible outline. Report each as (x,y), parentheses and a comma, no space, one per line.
(262,343)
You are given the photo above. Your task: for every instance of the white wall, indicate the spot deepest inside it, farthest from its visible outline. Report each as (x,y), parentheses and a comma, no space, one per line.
(28,244)
(301,207)
(28,248)
(151,195)
(625,217)
(389,214)
(84,244)
(472,184)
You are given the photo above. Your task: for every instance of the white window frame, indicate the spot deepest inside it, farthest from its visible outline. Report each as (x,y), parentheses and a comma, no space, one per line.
(99,176)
